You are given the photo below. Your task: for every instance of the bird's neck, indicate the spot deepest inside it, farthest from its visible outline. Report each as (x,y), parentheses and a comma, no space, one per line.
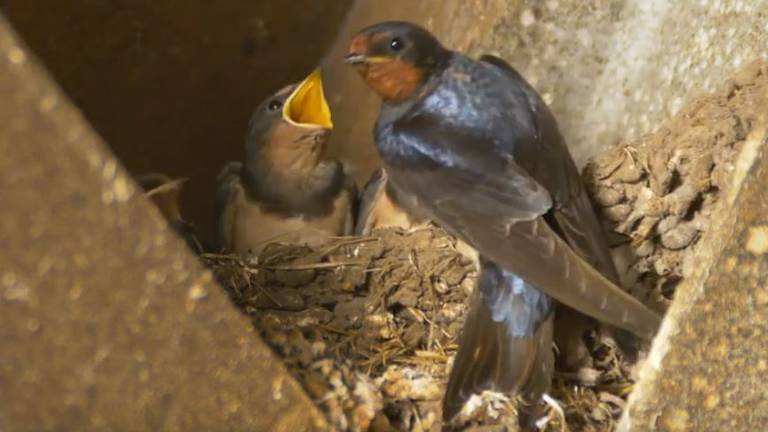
(287,161)
(304,187)
(395,81)
(398,81)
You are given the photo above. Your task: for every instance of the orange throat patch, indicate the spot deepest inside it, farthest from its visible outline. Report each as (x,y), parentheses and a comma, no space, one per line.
(393,80)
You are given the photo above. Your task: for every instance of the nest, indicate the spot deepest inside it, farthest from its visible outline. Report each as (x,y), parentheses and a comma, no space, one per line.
(366,324)
(369,325)
(658,196)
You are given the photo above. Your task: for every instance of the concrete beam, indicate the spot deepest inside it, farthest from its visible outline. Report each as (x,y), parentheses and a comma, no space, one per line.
(707,367)
(108,322)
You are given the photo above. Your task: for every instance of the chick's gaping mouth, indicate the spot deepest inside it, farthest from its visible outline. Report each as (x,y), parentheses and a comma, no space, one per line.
(307,106)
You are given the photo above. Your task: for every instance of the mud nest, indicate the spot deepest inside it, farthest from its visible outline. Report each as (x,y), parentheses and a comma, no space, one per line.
(658,195)
(369,325)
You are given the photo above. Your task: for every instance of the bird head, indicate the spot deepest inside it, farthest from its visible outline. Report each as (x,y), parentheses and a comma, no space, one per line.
(297,114)
(396,58)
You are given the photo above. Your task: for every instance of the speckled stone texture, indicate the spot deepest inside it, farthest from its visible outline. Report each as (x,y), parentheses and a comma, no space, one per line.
(707,367)
(610,69)
(108,323)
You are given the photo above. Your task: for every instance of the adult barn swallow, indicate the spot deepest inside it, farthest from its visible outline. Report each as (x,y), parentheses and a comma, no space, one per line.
(283,191)
(165,193)
(472,146)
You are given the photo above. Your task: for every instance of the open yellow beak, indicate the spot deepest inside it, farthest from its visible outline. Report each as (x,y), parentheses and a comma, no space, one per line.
(307,106)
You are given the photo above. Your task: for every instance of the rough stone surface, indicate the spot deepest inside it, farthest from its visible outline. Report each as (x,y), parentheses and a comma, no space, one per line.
(706,370)
(108,323)
(610,69)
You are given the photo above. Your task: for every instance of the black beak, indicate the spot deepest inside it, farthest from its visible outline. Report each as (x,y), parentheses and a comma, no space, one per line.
(355,58)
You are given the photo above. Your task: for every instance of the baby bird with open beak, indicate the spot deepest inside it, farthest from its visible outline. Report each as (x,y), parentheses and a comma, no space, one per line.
(284,191)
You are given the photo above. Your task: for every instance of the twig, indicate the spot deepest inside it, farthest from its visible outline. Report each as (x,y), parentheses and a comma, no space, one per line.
(313,266)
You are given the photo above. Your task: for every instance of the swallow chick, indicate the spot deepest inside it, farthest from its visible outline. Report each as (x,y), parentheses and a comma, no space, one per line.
(165,193)
(379,209)
(470,145)
(284,191)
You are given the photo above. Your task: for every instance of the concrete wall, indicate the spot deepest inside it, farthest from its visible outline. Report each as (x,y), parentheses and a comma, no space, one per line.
(108,322)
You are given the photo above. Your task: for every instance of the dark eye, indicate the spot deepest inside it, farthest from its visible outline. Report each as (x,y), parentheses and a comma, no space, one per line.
(274,105)
(396,44)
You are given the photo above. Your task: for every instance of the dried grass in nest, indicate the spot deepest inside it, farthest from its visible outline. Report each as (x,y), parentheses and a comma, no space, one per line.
(369,326)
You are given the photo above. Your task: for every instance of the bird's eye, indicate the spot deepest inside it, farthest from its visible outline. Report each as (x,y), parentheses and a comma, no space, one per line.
(274,105)
(396,44)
